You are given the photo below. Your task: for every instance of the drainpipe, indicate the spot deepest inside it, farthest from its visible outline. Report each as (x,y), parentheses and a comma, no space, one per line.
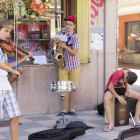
(105,53)
(117,26)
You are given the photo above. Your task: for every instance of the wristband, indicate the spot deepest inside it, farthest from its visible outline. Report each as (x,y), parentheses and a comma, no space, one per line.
(119,97)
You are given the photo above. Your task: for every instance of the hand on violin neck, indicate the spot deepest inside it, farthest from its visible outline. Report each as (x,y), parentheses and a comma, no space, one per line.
(28,56)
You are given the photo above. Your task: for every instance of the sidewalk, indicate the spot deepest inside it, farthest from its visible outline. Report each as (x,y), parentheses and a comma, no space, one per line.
(38,123)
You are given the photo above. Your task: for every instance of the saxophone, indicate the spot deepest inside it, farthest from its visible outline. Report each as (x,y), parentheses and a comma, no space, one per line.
(60,58)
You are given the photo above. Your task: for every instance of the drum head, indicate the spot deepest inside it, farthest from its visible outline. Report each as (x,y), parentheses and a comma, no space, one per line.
(62,86)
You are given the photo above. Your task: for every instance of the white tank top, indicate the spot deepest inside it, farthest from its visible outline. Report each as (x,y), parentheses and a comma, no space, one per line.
(4,83)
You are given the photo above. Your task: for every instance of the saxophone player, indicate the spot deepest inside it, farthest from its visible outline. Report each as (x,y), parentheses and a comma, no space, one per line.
(71,69)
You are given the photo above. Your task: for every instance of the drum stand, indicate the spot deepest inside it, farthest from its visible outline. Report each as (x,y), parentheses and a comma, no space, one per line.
(62,120)
(62,87)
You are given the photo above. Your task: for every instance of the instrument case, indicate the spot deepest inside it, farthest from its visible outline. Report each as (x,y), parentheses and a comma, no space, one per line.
(130,134)
(67,133)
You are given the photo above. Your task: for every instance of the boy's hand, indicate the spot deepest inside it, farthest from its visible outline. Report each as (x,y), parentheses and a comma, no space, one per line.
(127,93)
(63,45)
(122,101)
(16,73)
(28,56)
(55,40)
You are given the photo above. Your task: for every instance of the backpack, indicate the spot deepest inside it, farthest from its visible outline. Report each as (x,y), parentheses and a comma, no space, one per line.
(72,130)
(100,109)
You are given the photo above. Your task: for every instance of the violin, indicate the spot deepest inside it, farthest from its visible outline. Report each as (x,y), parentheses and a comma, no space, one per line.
(8,46)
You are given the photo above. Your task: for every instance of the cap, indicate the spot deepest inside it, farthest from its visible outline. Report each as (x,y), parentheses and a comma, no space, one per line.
(72,18)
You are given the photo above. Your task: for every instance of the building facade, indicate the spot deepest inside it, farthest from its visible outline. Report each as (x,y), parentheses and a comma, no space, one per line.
(129,28)
(34,93)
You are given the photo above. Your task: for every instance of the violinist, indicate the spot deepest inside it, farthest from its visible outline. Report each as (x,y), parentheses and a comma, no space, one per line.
(7,95)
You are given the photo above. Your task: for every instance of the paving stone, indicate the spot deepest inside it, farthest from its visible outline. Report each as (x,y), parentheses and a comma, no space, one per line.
(90,118)
(38,118)
(98,122)
(91,137)
(82,114)
(24,120)
(23,138)
(2,137)
(37,129)
(109,135)
(29,125)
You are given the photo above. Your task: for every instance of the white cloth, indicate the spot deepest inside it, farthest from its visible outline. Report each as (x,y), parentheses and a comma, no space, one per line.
(4,83)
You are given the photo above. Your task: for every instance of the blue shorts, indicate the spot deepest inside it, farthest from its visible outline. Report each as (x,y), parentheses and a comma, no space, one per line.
(12,60)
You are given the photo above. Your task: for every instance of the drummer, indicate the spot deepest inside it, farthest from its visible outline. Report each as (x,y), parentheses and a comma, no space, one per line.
(71,70)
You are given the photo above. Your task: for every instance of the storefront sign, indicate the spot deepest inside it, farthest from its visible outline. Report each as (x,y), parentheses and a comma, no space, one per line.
(96,37)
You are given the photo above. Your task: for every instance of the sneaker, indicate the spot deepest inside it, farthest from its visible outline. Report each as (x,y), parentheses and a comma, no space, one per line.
(73,113)
(61,113)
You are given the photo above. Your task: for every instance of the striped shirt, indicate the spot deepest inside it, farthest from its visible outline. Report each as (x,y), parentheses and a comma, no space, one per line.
(71,62)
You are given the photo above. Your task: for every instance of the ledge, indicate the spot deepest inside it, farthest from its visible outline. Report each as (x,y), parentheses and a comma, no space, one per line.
(39,65)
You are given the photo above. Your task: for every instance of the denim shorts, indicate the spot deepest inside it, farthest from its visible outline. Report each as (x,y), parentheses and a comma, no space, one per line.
(119,91)
(12,60)
(9,104)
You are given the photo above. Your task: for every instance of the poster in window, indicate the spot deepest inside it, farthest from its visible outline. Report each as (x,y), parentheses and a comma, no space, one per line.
(96,37)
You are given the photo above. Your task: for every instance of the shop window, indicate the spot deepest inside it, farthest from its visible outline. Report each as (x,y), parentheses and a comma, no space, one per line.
(33,30)
(133,36)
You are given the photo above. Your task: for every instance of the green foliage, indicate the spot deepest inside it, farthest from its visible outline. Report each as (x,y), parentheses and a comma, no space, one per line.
(95,107)
(30,11)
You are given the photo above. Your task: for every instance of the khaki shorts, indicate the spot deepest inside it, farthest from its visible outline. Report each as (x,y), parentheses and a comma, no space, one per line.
(65,75)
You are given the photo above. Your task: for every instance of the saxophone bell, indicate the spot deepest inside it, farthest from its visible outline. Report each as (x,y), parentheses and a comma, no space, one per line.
(59,57)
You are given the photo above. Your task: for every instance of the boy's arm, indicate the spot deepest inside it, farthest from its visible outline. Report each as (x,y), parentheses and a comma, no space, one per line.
(111,89)
(127,90)
(54,41)
(75,46)
(5,67)
(13,64)
(72,52)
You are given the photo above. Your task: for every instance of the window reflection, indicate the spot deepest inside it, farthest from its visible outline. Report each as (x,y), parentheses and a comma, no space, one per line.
(133,36)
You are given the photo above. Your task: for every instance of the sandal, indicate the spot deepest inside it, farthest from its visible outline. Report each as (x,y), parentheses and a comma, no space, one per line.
(138,124)
(108,128)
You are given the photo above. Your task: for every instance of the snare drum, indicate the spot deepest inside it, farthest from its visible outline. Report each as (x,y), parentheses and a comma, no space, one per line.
(61,86)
